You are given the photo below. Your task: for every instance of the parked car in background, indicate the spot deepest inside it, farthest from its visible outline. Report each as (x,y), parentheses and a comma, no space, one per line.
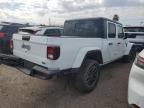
(29,30)
(50,31)
(41,31)
(6,32)
(136,83)
(135,34)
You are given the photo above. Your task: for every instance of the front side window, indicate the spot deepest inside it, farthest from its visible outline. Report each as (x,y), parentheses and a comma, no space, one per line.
(111,30)
(120,31)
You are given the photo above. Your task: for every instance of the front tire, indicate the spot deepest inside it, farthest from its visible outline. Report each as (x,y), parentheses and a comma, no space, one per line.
(87,78)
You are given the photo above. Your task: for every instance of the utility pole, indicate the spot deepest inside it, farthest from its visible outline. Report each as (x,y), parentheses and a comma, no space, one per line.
(49,22)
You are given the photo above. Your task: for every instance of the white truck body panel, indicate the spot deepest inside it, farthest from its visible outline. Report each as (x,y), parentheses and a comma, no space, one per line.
(68,50)
(73,49)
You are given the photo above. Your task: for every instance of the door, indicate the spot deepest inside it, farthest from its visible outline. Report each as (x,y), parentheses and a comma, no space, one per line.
(112,40)
(120,41)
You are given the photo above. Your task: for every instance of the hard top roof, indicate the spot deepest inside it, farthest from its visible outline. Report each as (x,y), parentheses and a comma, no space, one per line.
(95,18)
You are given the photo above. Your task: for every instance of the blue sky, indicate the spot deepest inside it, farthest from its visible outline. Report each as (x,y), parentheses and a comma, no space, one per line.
(131,12)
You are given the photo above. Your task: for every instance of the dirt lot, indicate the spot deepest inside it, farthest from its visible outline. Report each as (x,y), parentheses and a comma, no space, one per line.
(18,90)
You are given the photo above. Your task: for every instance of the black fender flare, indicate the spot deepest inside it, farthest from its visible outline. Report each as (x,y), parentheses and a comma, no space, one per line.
(94,55)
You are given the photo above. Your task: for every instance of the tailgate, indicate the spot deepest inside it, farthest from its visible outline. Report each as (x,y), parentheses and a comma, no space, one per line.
(31,48)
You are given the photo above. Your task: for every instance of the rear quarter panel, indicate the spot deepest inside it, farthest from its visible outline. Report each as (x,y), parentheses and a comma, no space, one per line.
(72,51)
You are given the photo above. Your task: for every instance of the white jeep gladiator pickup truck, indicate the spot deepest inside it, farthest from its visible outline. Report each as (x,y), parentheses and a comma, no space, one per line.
(85,46)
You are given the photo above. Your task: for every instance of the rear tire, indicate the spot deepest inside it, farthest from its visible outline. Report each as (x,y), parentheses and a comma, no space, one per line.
(86,79)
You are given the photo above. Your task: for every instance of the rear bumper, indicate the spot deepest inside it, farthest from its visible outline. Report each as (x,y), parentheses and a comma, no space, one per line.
(136,86)
(39,72)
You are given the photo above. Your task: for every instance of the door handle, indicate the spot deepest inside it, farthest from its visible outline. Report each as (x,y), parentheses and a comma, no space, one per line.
(110,43)
(118,43)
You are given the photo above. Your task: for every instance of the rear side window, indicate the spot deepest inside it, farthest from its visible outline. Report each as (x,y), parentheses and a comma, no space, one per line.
(120,31)
(89,28)
(111,30)
(52,32)
(84,28)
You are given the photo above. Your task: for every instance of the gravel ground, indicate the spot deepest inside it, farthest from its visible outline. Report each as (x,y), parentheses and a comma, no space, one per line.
(18,90)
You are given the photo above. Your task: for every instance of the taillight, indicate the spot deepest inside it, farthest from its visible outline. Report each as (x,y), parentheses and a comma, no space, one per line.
(140,62)
(2,34)
(53,52)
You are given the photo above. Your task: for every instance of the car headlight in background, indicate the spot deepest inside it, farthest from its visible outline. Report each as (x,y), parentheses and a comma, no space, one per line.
(139,62)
